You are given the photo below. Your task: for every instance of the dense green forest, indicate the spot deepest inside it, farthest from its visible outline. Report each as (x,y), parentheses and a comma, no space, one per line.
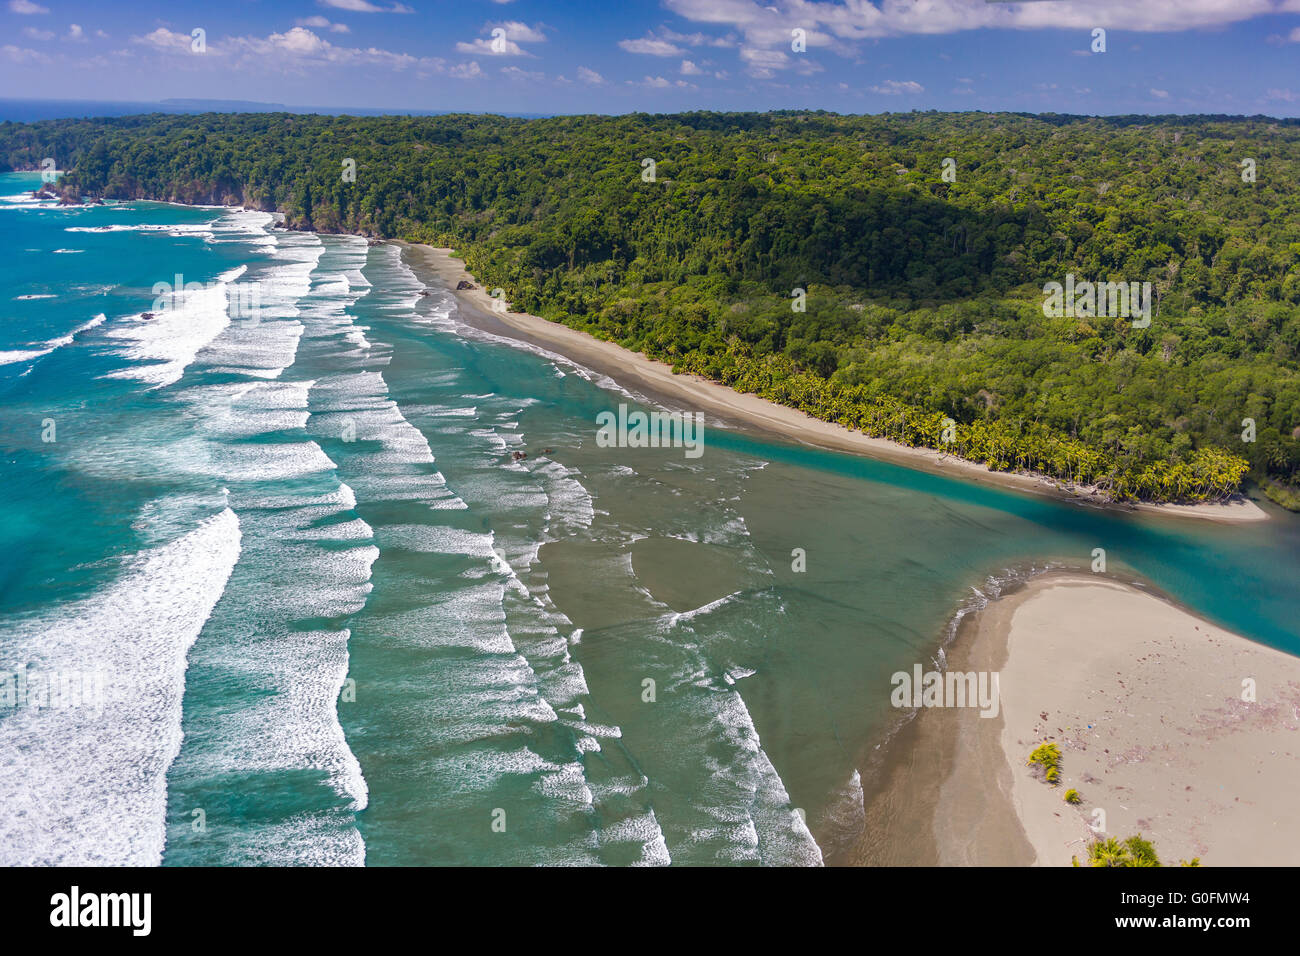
(924,297)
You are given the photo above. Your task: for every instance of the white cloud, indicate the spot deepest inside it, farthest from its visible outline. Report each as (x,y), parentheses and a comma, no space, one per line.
(504,39)
(365,6)
(17,54)
(35,34)
(165,41)
(300,49)
(520,32)
(26,7)
(466,71)
(1159,94)
(75,32)
(897,88)
(322,23)
(491,47)
(767,23)
(590,76)
(514,73)
(300,41)
(651,46)
(697,39)
(660,83)
(690,69)
(761,63)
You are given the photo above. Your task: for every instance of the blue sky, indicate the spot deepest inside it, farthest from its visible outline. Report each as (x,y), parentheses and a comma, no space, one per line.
(616,56)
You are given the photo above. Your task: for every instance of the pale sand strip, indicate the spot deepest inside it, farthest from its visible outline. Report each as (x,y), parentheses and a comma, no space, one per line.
(693,393)
(1172,752)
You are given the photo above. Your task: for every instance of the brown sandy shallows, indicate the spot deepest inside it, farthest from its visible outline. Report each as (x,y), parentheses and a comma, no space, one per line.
(1173,751)
(635,371)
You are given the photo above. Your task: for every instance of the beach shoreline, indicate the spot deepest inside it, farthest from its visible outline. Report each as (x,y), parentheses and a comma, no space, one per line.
(694,393)
(1149,705)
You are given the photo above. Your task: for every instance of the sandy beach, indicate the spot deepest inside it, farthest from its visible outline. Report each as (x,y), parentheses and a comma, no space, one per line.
(693,393)
(1146,704)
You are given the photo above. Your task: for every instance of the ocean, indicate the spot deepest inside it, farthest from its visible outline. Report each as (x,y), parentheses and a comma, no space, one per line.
(331,618)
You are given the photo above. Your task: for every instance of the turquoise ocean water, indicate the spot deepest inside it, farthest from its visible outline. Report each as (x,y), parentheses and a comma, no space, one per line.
(338,624)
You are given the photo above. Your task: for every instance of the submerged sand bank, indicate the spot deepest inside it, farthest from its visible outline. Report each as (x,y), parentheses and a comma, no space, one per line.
(693,393)
(1146,704)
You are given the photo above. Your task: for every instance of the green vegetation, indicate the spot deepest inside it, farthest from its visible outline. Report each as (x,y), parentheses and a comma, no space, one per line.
(1048,757)
(1134,851)
(1072,797)
(1288,496)
(924,297)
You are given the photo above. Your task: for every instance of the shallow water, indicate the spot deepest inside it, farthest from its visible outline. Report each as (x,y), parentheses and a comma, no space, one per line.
(340,624)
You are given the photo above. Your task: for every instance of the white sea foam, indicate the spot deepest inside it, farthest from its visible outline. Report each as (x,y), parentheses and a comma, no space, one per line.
(89,786)
(14,356)
(400,469)
(305,839)
(177,231)
(845,816)
(83,327)
(758,822)
(45,348)
(245,409)
(293,724)
(264,342)
(643,829)
(169,342)
(264,462)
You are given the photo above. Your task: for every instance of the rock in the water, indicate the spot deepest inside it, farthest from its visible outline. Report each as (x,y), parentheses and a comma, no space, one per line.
(463,284)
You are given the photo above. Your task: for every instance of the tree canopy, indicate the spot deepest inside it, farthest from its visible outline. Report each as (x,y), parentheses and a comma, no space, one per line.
(922,314)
